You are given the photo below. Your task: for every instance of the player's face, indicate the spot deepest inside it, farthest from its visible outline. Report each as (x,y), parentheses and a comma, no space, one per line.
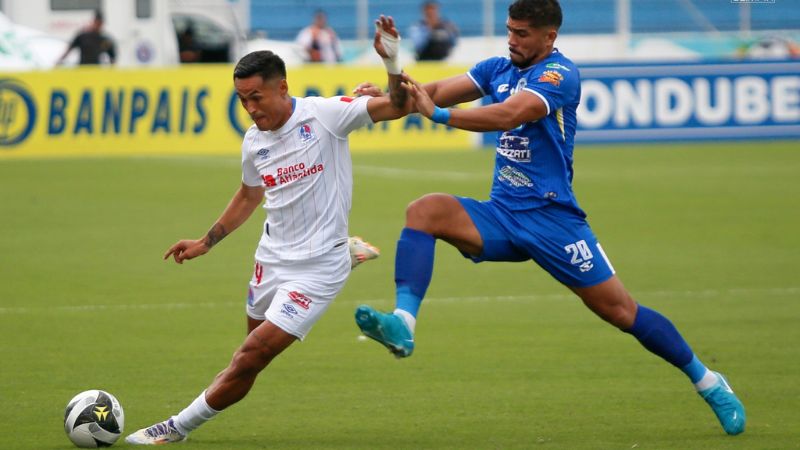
(528,45)
(267,102)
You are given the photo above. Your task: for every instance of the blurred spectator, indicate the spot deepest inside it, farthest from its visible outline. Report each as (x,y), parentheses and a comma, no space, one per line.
(320,41)
(772,47)
(188,50)
(92,43)
(433,36)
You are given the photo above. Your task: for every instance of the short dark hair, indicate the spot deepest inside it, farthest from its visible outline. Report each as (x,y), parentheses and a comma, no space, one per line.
(98,15)
(538,13)
(261,62)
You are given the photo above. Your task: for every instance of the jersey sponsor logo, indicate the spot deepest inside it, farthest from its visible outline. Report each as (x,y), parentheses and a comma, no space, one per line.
(306,133)
(302,300)
(291,173)
(557,66)
(552,77)
(269,180)
(514,177)
(263,153)
(515,148)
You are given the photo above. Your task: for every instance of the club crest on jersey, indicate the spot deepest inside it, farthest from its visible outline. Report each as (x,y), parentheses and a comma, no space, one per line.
(263,153)
(306,133)
(515,148)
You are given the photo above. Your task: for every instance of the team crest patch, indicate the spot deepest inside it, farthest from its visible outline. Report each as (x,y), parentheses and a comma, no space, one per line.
(552,77)
(306,133)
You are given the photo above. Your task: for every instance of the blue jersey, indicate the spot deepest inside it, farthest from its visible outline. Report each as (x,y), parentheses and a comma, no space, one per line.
(533,164)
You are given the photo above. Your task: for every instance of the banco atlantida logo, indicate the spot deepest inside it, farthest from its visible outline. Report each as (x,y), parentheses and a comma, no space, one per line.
(17,113)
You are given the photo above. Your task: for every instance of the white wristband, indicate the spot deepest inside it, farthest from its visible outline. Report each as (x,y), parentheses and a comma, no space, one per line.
(392,66)
(391,47)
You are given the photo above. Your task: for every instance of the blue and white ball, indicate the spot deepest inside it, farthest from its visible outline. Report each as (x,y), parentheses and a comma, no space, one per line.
(94,419)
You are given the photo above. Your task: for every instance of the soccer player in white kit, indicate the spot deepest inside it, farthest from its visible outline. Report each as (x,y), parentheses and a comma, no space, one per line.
(297,156)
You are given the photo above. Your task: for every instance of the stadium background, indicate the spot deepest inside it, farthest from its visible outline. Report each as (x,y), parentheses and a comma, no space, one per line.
(101,169)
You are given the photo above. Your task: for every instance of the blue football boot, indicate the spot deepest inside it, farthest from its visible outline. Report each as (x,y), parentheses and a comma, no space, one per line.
(726,405)
(388,329)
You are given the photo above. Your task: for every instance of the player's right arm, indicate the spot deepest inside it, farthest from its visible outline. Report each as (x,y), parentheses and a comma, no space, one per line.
(239,209)
(452,91)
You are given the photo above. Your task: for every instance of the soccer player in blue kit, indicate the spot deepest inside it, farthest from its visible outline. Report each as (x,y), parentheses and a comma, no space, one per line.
(532,212)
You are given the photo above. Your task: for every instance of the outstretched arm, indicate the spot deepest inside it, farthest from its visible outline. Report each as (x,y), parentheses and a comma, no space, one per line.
(386,44)
(519,108)
(448,92)
(241,206)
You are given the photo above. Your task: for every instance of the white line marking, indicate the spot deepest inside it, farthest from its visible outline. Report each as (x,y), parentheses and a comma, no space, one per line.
(705,293)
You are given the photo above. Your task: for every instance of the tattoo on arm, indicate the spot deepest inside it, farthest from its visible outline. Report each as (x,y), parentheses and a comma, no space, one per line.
(215,234)
(397,94)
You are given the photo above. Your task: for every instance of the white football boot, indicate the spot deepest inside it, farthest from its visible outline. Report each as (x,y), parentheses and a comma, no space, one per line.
(160,433)
(361,251)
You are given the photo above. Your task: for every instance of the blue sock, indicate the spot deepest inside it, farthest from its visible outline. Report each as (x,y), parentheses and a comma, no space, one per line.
(413,268)
(657,334)
(694,370)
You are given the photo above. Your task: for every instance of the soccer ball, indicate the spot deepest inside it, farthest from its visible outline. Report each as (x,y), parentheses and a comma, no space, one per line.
(93,419)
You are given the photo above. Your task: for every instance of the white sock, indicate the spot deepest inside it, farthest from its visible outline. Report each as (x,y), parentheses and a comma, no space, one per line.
(708,380)
(409,319)
(194,415)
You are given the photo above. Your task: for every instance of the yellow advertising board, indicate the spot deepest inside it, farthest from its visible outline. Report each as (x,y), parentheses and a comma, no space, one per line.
(182,110)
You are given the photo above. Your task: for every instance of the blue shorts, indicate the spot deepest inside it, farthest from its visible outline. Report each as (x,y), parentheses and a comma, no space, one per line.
(558,238)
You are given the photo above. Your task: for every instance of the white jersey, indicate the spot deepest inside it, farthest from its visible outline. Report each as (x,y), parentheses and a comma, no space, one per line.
(306,169)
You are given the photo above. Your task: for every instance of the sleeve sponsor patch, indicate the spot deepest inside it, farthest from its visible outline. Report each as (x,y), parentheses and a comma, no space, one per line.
(552,77)
(346,99)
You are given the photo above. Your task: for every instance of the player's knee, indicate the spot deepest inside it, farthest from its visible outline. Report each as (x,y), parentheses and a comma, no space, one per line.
(423,213)
(620,315)
(250,361)
(418,213)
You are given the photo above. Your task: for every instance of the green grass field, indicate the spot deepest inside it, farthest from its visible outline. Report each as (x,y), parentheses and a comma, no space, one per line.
(506,358)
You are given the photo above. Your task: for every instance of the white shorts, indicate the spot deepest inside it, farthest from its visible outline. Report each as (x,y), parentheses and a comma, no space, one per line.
(294,294)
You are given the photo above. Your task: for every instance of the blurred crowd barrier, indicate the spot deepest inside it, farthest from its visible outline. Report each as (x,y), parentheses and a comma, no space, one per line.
(184,110)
